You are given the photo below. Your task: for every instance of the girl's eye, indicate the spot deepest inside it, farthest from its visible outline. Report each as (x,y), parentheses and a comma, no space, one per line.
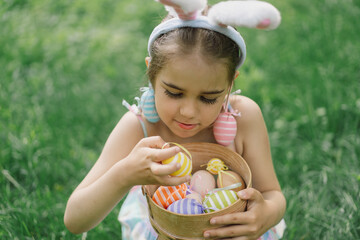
(208,100)
(179,95)
(173,95)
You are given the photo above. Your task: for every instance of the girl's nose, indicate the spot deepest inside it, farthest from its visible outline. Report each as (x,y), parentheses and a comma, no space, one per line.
(188,109)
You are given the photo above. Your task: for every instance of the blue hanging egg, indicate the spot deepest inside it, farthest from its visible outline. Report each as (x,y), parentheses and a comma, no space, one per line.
(147,104)
(186,206)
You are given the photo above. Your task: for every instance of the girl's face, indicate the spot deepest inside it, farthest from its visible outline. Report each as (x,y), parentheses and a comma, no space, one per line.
(189,94)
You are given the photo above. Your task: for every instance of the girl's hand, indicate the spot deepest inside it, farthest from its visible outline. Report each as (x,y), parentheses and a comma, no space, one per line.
(145,163)
(250,224)
(180,12)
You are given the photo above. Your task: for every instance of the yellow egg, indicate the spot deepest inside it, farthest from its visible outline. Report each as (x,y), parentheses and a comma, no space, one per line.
(185,162)
(215,165)
(228,180)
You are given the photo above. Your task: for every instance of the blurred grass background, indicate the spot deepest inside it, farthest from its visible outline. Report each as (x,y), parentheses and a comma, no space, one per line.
(65,67)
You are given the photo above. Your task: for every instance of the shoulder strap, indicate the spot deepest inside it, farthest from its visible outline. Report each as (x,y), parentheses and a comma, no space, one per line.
(134,109)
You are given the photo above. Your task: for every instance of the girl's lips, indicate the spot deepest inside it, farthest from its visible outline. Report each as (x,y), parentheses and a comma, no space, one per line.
(186,126)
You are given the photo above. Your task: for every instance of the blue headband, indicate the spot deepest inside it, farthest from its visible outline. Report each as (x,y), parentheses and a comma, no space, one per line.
(199,22)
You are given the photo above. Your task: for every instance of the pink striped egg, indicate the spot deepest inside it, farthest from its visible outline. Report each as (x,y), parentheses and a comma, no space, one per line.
(225,128)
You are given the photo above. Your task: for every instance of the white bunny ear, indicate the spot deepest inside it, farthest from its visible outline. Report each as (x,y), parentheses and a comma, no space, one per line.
(250,14)
(191,5)
(171,11)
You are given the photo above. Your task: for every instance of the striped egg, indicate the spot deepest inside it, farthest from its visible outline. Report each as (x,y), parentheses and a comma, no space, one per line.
(219,200)
(185,162)
(186,206)
(147,104)
(166,195)
(225,128)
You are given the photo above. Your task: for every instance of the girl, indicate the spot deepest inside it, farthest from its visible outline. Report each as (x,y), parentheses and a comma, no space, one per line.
(192,68)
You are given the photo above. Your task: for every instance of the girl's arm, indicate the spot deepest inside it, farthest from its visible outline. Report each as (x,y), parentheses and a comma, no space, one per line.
(266,203)
(125,161)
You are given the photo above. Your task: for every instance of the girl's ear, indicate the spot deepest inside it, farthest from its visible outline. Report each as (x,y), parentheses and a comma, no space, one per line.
(147,61)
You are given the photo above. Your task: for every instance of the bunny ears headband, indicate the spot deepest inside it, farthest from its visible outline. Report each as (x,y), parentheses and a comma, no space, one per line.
(222,17)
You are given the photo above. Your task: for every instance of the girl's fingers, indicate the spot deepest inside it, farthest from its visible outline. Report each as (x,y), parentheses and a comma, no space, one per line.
(232,218)
(152,142)
(174,181)
(249,194)
(163,170)
(226,232)
(159,155)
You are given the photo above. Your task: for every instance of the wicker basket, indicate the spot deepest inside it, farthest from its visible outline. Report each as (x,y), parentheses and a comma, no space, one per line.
(171,225)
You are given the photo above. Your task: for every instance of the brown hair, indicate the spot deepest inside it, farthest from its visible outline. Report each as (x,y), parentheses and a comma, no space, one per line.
(213,46)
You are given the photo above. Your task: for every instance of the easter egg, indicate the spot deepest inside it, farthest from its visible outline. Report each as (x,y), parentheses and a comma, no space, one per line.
(225,128)
(194,195)
(219,200)
(228,178)
(202,182)
(215,165)
(185,162)
(186,206)
(147,104)
(166,195)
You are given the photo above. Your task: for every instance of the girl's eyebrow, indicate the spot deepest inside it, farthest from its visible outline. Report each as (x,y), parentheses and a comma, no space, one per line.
(172,86)
(180,89)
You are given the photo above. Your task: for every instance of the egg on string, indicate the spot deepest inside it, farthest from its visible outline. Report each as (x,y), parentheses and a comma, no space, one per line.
(147,104)
(166,195)
(184,158)
(219,200)
(225,128)
(202,182)
(186,206)
(230,178)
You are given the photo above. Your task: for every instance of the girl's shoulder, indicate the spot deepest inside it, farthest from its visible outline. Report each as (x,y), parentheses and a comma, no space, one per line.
(126,134)
(250,122)
(131,124)
(250,116)
(247,107)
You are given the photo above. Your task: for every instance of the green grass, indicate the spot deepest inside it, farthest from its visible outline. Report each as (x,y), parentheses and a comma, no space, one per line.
(67,65)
